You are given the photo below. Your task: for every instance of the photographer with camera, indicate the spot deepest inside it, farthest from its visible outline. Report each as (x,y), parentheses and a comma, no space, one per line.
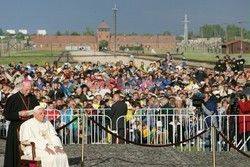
(233,112)
(209,109)
(244,120)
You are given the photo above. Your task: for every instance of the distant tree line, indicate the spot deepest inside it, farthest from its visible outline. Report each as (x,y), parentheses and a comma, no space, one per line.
(227,33)
(1,32)
(19,36)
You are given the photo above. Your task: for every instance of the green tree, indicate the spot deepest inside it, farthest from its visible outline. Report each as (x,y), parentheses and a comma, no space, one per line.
(103,45)
(88,32)
(1,32)
(58,33)
(166,33)
(206,31)
(209,31)
(233,32)
(191,34)
(132,34)
(75,34)
(218,31)
(247,35)
(20,36)
(66,33)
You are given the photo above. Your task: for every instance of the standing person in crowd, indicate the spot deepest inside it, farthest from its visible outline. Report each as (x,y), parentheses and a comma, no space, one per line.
(65,88)
(217,64)
(65,116)
(56,92)
(15,112)
(1,93)
(240,62)
(119,108)
(209,109)
(142,67)
(244,120)
(200,75)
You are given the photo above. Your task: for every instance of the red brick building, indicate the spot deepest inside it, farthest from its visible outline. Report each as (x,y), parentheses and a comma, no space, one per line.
(234,46)
(156,42)
(148,42)
(63,42)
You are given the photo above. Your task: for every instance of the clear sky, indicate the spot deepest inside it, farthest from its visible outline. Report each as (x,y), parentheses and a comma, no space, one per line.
(140,16)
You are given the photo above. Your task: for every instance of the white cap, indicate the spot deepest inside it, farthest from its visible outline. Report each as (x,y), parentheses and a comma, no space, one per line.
(38,107)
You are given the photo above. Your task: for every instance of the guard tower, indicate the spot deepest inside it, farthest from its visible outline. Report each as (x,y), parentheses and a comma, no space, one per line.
(103,35)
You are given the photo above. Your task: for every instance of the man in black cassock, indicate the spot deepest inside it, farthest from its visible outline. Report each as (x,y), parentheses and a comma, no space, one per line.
(14,112)
(119,108)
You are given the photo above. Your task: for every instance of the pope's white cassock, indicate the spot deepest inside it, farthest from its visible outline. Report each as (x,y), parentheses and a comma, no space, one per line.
(42,134)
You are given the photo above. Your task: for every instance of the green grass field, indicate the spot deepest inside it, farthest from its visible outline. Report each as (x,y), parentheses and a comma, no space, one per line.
(204,56)
(33,53)
(33,56)
(201,55)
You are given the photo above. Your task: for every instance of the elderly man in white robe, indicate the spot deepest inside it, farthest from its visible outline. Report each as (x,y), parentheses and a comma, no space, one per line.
(47,143)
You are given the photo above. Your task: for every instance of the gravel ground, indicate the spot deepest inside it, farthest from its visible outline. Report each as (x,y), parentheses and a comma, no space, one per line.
(131,155)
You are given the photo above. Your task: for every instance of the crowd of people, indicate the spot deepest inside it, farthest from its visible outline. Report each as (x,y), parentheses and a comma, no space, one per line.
(157,89)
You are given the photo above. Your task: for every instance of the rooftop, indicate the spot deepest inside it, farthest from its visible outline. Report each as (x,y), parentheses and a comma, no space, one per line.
(234,41)
(103,25)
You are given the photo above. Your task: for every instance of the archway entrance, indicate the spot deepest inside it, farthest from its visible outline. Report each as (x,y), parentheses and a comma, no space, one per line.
(103,45)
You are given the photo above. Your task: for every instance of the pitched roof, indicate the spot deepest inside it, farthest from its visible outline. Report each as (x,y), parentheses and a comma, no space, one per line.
(233,41)
(144,39)
(63,39)
(103,25)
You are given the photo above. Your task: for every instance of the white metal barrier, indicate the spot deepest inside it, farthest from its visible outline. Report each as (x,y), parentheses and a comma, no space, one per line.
(162,129)
(4,125)
(235,127)
(72,133)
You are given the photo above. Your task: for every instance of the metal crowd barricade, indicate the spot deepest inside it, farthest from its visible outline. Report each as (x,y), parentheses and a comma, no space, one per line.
(4,125)
(147,126)
(163,128)
(72,133)
(229,125)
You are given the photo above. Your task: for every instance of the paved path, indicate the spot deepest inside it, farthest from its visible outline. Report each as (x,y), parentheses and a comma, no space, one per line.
(130,155)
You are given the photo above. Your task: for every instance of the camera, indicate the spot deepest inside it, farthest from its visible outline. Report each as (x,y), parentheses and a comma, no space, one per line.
(234,102)
(197,100)
(234,98)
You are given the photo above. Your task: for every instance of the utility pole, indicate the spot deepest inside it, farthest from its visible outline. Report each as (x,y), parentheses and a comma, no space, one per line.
(115,23)
(1,47)
(201,32)
(241,37)
(226,37)
(51,50)
(185,31)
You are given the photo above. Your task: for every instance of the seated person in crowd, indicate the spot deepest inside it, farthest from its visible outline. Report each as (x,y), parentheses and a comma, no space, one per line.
(47,143)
